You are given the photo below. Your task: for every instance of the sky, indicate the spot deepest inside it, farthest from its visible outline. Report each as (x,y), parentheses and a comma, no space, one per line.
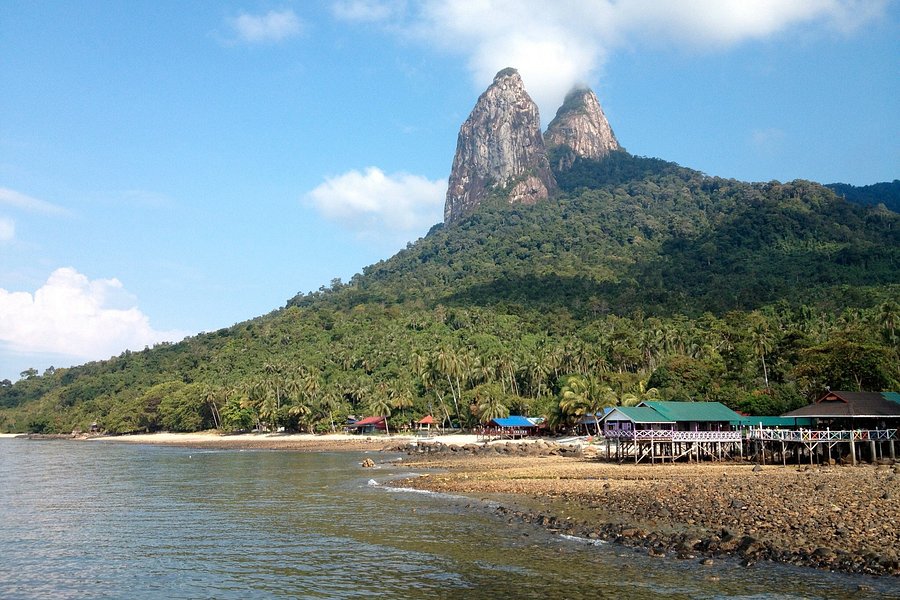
(169,168)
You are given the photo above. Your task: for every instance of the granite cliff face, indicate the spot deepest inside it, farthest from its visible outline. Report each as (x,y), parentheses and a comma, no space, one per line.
(580,129)
(499,146)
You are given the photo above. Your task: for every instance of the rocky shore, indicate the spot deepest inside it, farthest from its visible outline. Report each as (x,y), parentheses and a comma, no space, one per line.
(837,518)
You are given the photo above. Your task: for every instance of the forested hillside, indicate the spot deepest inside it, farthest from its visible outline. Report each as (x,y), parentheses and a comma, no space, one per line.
(887,193)
(643,279)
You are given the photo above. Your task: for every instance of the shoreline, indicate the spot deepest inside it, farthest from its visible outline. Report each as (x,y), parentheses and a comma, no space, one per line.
(838,518)
(835,518)
(304,442)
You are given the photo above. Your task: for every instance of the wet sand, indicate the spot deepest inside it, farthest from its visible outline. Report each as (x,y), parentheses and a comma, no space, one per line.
(839,518)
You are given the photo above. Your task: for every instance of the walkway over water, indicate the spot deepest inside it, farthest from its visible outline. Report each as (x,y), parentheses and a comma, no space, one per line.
(670,444)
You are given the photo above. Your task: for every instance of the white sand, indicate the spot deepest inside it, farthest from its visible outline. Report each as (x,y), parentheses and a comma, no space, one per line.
(289,439)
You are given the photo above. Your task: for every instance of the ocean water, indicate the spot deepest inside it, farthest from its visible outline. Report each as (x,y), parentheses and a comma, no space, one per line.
(106,520)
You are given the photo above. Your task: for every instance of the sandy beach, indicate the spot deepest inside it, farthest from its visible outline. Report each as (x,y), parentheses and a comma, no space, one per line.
(838,518)
(281,441)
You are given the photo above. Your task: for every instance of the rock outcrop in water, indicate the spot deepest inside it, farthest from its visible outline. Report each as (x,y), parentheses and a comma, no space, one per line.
(579,130)
(500,146)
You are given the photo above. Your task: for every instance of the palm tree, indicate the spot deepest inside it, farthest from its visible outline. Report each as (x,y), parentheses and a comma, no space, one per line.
(211,396)
(763,342)
(490,404)
(401,399)
(889,319)
(380,405)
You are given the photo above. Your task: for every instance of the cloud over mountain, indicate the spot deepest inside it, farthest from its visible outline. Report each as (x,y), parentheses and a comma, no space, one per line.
(558,44)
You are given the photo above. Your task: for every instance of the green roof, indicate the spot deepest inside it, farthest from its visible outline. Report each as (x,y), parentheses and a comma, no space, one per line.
(773,421)
(637,414)
(692,411)
(891,396)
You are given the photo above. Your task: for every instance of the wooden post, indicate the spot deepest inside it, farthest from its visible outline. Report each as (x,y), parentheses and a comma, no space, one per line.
(783,455)
(852,450)
(874,454)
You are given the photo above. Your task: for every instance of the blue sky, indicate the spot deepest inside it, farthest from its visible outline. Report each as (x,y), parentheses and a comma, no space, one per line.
(168,168)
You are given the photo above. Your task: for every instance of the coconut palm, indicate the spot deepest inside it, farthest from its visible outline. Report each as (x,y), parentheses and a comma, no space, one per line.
(380,405)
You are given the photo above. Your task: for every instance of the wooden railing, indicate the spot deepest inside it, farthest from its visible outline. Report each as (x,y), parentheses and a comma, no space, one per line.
(670,435)
(827,435)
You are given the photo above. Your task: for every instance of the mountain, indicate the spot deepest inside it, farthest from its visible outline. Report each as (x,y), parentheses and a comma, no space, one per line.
(887,193)
(499,147)
(632,278)
(579,130)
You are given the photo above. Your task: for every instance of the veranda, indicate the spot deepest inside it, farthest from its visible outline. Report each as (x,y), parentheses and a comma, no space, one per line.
(820,446)
(668,444)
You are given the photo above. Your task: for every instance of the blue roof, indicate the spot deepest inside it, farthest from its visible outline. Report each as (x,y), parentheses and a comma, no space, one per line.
(513,421)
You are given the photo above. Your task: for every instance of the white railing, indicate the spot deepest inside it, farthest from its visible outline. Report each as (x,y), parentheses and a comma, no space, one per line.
(815,435)
(670,435)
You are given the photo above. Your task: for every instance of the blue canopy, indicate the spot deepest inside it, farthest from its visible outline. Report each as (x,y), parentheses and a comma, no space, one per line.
(514,421)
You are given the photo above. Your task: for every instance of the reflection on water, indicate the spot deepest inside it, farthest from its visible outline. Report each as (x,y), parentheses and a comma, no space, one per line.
(108,520)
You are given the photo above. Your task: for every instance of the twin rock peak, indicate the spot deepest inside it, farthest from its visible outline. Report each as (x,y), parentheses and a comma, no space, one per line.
(500,147)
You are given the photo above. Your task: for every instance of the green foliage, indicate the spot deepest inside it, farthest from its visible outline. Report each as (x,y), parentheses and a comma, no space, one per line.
(642,280)
(886,193)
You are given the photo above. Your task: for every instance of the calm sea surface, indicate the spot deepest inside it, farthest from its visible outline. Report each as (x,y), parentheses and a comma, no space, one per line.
(105,520)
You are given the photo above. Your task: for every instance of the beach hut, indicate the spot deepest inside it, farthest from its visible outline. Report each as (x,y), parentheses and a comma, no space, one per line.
(424,425)
(367,425)
(512,427)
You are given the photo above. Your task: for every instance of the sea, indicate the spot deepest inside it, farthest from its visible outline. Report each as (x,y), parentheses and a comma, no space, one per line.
(110,520)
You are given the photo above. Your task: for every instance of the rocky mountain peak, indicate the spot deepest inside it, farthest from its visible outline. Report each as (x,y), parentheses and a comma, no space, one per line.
(579,129)
(499,146)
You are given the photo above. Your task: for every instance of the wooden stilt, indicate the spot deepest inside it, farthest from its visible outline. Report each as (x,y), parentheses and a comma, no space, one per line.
(852,452)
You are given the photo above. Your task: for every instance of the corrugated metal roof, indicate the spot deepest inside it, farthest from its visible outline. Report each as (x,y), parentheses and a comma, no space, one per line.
(513,421)
(891,396)
(636,414)
(369,421)
(693,411)
(773,422)
(850,404)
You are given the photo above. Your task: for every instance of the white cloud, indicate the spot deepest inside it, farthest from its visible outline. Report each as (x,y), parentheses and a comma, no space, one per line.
(372,202)
(557,44)
(73,316)
(7,229)
(273,26)
(22,201)
(367,10)
(768,139)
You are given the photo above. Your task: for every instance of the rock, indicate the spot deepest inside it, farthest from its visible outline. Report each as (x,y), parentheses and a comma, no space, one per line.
(579,130)
(368,463)
(756,468)
(735,503)
(707,562)
(499,146)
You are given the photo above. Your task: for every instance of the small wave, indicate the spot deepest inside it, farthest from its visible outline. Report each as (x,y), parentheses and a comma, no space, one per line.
(582,540)
(372,482)
(406,490)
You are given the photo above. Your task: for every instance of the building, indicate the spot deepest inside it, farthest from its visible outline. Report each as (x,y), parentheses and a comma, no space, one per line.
(672,430)
(367,425)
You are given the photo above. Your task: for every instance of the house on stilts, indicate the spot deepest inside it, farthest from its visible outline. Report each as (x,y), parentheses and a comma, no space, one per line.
(658,430)
(841,425)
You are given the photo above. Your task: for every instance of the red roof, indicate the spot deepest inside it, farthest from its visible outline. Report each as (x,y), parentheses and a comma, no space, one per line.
(369,421)
(426,420)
